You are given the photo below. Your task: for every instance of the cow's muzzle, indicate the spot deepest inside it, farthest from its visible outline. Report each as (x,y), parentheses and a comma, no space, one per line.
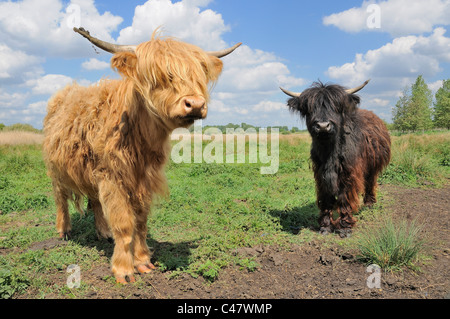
(322,127)
(194,107)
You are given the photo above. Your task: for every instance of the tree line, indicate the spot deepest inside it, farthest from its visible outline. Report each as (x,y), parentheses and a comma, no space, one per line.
(416,111)
(245,126)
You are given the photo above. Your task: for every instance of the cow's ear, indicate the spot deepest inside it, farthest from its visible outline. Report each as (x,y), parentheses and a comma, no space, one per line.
(125,63)
(296,105)
(214,68)
(353,102)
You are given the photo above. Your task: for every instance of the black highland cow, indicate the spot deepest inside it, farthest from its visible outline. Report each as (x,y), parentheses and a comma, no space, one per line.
(350,147)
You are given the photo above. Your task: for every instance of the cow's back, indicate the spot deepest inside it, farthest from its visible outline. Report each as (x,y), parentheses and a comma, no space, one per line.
(376,140)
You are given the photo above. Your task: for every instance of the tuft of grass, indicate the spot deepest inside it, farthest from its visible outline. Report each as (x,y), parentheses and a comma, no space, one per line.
(390,245)
(249,264)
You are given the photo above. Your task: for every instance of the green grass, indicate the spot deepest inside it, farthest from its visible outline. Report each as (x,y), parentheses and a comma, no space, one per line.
(23,181)
(390,244)
(212,210)
(419,160)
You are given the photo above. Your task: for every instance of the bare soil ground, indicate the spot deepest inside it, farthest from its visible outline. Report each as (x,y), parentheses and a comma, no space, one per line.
(310,271)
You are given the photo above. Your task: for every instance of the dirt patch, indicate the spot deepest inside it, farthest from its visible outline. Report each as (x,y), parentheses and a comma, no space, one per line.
(48,244)
(308,271)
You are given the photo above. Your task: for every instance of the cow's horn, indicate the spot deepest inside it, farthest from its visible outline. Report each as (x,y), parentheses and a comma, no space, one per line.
(225,52)
(358,88)
(292,94)
(109,47)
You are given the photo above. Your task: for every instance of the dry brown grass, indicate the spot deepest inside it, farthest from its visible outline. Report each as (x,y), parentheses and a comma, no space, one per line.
(295,138)
(19,137)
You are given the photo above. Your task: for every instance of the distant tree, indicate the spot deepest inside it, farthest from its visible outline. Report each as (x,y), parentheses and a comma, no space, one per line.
(400,112)
(413,110)
(422,102)
(442,106)
(231,125)
(245,126)
(2,126)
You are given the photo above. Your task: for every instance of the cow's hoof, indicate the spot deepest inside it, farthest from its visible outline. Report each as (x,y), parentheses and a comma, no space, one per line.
(325,230)
(344,232)
(145,269)
(125,279)
(65,235)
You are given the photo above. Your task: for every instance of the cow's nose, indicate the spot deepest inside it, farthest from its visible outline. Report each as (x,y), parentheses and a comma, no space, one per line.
(194,104)
(322,127)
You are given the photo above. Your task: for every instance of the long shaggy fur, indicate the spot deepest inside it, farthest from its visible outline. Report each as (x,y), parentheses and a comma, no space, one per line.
(109,142)
(347,161)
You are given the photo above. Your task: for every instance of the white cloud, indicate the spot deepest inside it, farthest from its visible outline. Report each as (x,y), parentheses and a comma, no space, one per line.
(39,108)
(248,87)
(95,64)
(11,100)
(436,45)
(397,63)
(379,102)
(251,71)
(15,65)
(397,17)
(434,86)
(44,27)
(49,84)
(183,20)
(268,106)
(219,106)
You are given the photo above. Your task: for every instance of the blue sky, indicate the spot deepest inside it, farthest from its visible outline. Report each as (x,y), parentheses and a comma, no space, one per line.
(287,43)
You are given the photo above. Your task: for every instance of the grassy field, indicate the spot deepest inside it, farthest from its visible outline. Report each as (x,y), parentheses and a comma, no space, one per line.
(213,209)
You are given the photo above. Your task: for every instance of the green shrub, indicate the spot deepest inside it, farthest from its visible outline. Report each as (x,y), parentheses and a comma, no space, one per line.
(209,270)
(11,282)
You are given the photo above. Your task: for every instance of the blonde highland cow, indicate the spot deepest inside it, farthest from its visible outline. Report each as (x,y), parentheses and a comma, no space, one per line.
(109,142)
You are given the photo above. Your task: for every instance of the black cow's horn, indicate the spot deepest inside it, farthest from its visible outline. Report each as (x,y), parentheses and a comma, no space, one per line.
(291,94)
(349,91)
(358,88)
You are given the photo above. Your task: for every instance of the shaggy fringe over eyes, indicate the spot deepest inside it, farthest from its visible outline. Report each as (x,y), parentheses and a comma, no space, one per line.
(167,70)
(331,96)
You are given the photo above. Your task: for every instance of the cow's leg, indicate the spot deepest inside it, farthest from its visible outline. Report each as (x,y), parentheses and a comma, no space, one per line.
(344,224)
(351,184)
(347,204)
(141,251)
(370,189)
(121,219)
(326,203)
(63,225)
(101,225)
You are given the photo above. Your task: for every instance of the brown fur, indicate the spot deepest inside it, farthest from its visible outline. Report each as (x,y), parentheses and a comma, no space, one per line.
(109,142)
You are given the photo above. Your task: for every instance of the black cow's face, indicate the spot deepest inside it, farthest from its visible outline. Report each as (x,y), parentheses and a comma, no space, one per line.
(322,123)
(325,109)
